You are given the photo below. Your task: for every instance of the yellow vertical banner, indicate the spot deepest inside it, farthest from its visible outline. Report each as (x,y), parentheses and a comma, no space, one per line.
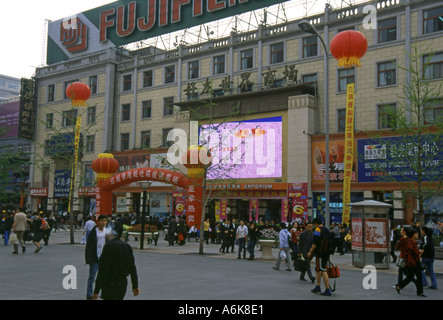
(349,152)
(78,125)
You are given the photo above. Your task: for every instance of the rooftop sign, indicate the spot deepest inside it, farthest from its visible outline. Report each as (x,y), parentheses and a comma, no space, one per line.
(123,22)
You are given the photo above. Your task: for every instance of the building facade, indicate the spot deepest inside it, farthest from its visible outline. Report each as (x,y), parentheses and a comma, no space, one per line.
(274,72)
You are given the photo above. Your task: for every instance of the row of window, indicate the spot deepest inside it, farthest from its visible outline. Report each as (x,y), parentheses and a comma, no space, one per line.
(386,119)
(145,139)
(92,82)
(68,118)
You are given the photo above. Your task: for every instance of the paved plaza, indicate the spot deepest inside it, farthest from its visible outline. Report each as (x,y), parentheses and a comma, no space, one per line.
(179,273)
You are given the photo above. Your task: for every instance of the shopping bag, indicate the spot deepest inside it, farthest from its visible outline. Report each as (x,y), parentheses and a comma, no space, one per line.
(13,238)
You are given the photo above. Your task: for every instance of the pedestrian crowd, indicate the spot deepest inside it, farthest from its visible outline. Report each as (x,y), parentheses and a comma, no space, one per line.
(111,260)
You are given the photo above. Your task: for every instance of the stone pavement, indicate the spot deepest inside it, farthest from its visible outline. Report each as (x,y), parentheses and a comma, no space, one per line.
(179,273)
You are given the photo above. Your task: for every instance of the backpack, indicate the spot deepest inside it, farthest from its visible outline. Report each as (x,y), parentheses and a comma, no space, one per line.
(327,242)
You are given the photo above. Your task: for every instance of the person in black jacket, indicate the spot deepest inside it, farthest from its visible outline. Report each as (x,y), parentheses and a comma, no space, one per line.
(172,230)
(94,246)
(115,264)
(253,236)
(427,257)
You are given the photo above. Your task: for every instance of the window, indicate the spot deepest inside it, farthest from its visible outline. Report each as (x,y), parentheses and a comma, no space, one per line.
(93,84)
(169,74)
(69,118)
(386,74)
(165,142)
(433,66)
(387,30)
(246,59)
(47,147)
(147,79)
(91,115)
(127,82)
(49,120)
(90,143)
(277,53)
(341,120)
(67,83)
(386,116)
(219,64)
(433,20)
(193,69)
(434,113)
(51,92)
(126,112)
(310,79)
(146,109)
(345,76)
(146,139)
(124,141)
(309,47)
(168,106)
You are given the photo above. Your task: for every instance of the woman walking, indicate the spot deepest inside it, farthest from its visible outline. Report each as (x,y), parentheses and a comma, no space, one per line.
(412,264)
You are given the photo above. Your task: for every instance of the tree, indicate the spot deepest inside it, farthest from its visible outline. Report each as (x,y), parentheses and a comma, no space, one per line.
(413,158)
(59,150)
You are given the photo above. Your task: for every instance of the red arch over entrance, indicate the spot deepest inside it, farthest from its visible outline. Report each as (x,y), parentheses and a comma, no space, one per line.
(192,185)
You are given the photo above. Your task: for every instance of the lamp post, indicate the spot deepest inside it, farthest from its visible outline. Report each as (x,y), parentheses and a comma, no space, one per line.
(306,26)
(144,185)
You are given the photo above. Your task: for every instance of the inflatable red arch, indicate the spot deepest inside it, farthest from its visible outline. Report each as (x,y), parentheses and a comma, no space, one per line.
(105,166)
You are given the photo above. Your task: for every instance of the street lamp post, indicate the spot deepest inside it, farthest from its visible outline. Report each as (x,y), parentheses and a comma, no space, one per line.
(306,26)
(144,185)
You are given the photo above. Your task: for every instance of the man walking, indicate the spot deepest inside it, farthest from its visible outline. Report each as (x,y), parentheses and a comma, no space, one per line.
(284,237)
(305,244)
(115,264)
(19,228)
(241,236)
(320,248)
(94,247)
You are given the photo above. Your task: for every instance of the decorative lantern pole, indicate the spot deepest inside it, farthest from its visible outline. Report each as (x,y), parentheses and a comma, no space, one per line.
(197,160)
(105,166)
(348,47)
(78,93)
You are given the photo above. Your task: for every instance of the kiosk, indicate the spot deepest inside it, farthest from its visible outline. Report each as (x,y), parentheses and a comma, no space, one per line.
(370,234)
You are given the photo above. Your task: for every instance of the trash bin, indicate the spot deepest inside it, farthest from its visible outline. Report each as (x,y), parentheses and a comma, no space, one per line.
(370,233)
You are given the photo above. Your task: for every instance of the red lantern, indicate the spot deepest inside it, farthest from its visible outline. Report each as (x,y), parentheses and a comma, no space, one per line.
(78,92)
(105,166)
(348,47)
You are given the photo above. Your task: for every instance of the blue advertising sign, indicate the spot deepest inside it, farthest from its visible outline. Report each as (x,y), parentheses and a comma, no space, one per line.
(62,183)
(395,158)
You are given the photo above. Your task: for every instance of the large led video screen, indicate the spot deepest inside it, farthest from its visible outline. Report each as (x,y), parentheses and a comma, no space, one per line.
(244,149)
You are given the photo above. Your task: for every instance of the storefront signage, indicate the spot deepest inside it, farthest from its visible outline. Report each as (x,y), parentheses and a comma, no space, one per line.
(396,159)
(39,192)
(123,22)
(62,183)
(28,104)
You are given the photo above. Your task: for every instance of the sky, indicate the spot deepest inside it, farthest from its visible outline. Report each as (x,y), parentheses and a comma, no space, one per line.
(22,25)
(22,29)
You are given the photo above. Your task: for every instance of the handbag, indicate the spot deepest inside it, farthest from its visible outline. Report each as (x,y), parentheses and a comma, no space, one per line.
(333,271)
(300,264)
(282,254)
(400,263)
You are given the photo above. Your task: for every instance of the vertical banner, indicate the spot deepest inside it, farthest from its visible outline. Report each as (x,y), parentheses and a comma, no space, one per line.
(179,202)
(298,201)
(349,152)
(284,210)
(223,207)
(253,209)
(78,124)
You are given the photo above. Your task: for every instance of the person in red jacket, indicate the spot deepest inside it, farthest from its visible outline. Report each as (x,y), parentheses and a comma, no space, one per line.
(412,264)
